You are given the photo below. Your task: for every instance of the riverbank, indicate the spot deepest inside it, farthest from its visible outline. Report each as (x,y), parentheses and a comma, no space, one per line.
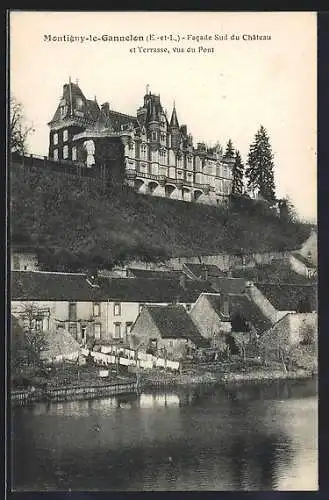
(211,378)
(71,392)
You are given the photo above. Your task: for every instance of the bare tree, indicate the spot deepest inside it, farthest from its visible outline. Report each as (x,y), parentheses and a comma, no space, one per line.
(18,129)
(35,339)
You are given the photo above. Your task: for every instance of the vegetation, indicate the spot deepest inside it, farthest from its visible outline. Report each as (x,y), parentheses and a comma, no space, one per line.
(18,130)
(77,225)
(238,173)
(260,166)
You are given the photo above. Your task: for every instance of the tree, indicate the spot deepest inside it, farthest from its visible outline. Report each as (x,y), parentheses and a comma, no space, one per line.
(260,166)
(287,210)
(18,130)
(229,152)
(34,337)
(238,171)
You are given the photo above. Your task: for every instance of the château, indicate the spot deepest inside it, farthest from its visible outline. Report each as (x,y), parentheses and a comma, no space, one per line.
(150,152)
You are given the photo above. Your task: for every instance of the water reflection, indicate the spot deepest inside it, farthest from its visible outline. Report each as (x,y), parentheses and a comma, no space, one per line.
(189,439)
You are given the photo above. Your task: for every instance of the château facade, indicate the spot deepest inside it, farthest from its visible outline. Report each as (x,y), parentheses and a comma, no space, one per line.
(156,155)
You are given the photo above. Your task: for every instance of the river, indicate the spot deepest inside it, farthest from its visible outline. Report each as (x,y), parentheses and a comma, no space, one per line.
(251,437)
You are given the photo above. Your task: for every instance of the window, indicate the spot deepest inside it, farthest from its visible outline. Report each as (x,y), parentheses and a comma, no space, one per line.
(96,309)
(55,138)
(72,311)
(117,309)
(74,153)
(143,151)
(117,330)
(141,307)
(163,137)
(154,136)
(188,307)
(55,154)
(128,327)
(97,331)
(65,152)
(65,135)
(45,324)
(73,329)
(83,333)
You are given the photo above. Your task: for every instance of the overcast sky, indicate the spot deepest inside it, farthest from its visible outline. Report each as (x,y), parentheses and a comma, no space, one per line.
(223,94)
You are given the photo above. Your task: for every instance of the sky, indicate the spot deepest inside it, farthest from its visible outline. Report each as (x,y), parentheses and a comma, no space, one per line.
(225,92)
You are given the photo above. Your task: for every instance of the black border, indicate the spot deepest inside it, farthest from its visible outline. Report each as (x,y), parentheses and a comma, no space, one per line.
(323,210)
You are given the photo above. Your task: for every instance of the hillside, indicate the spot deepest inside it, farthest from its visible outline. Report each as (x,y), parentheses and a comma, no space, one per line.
(85,225)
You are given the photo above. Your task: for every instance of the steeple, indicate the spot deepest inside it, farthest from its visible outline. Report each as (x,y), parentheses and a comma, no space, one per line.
(174,121)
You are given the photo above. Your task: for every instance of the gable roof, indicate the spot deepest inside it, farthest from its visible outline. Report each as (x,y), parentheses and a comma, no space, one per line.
(146,273)
(285,297)
(228,285)
(48,286)
(250,311)
(202,271)
(174,322)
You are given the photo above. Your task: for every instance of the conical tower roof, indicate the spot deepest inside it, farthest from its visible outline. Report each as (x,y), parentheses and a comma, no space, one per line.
(174,120)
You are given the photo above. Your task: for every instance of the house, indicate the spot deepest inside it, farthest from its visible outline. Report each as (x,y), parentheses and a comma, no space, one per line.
(94,308)
(23,258)
(166,330)
(292,340)
(213,315)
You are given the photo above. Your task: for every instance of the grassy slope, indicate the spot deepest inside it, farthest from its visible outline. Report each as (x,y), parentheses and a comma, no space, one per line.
(62,211)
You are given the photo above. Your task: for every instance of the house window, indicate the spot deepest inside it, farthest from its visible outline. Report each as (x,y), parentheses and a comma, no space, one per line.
(73,329)
(128,327)
(55,138)
(154,136)
(143,151)
(65,152)
(117,309)
(83,333)
(97,331)
(141,307)
(65,135)
(117,330)
(74,153)
(55,154)
(188,307)
(96,309)
(72,311)
(45,324)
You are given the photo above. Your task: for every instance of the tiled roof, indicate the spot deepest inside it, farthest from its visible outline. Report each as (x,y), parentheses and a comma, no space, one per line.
(201,271)
(119,119)
(285,297)
(34,285)
(228,285)
(145,273)
(174,322)
(250,311)
(215,301)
